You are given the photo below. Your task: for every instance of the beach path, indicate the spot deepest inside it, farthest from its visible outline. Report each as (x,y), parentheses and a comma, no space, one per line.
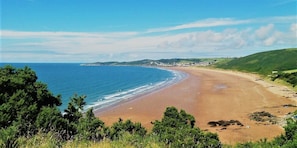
(209,95)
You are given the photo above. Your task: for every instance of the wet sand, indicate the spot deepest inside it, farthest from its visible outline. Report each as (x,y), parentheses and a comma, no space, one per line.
(211,95)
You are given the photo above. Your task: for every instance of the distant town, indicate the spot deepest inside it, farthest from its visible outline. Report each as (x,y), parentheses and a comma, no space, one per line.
(161,62)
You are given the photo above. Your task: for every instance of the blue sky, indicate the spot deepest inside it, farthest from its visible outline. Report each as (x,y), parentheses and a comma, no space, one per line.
(125,30)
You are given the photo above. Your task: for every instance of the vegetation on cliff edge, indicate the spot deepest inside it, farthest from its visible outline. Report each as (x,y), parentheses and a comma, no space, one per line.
(29,117)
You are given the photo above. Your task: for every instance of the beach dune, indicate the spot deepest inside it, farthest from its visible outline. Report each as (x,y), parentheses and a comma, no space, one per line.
(210,95)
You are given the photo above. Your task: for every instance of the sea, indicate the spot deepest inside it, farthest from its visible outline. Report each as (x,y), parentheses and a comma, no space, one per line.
(103,86)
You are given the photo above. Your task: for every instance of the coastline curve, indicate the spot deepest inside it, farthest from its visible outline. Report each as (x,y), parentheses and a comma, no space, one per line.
(112,100)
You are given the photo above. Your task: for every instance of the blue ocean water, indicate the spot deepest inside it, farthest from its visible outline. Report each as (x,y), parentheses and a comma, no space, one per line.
(103,85)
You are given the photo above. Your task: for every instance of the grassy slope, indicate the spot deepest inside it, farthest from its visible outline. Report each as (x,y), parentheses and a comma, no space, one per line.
(265,62)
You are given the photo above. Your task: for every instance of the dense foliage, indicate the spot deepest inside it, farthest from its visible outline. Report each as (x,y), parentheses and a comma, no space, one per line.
(27,107)
(290,78)
(29,117)
(22,98)
(177,130)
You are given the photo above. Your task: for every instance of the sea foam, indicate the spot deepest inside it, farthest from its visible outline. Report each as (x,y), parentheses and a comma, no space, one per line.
(111,99)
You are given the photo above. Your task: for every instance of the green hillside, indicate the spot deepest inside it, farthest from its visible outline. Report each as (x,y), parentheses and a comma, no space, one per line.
(149,62)
(265,62)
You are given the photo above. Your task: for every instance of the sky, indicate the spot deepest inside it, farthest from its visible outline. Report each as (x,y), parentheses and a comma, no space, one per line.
(82,31)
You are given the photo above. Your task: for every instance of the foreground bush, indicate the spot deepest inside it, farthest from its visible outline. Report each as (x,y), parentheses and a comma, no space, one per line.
(177,130)
(119,128)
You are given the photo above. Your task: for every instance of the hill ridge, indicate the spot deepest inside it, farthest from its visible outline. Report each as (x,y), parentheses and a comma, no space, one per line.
(264,62)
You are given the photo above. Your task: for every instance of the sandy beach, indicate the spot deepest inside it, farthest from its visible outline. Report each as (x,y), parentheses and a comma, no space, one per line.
(212,95)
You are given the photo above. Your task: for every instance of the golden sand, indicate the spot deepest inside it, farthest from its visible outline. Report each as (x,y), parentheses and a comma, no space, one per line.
(211,95)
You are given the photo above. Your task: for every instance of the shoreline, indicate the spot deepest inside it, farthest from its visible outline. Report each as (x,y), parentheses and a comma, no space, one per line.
(209,95)
(178,77)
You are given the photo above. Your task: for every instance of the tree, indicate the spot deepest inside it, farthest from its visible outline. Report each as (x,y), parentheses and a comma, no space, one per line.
(82,125)
(177,130)
(22,97)
(90,127)
(75,106)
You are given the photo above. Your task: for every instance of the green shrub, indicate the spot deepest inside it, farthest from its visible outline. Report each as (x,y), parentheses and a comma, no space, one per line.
(177,130)
(290,78)
(90,127)
(120,127)
(50,119)
(8,137)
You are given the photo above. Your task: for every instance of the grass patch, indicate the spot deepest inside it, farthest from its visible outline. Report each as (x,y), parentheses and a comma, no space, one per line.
(290,71)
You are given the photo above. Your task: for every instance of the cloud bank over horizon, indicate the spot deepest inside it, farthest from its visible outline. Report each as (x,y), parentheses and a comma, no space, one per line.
(205,37)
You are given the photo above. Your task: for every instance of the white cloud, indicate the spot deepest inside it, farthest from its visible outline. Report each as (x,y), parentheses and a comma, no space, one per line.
(42,34)
(269,41)
(65,42)
(85,46)
(269,36)
(293,28)
(264,31)
(208,40)
(215,41)
(213,22)
(276,19)
(217,22)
